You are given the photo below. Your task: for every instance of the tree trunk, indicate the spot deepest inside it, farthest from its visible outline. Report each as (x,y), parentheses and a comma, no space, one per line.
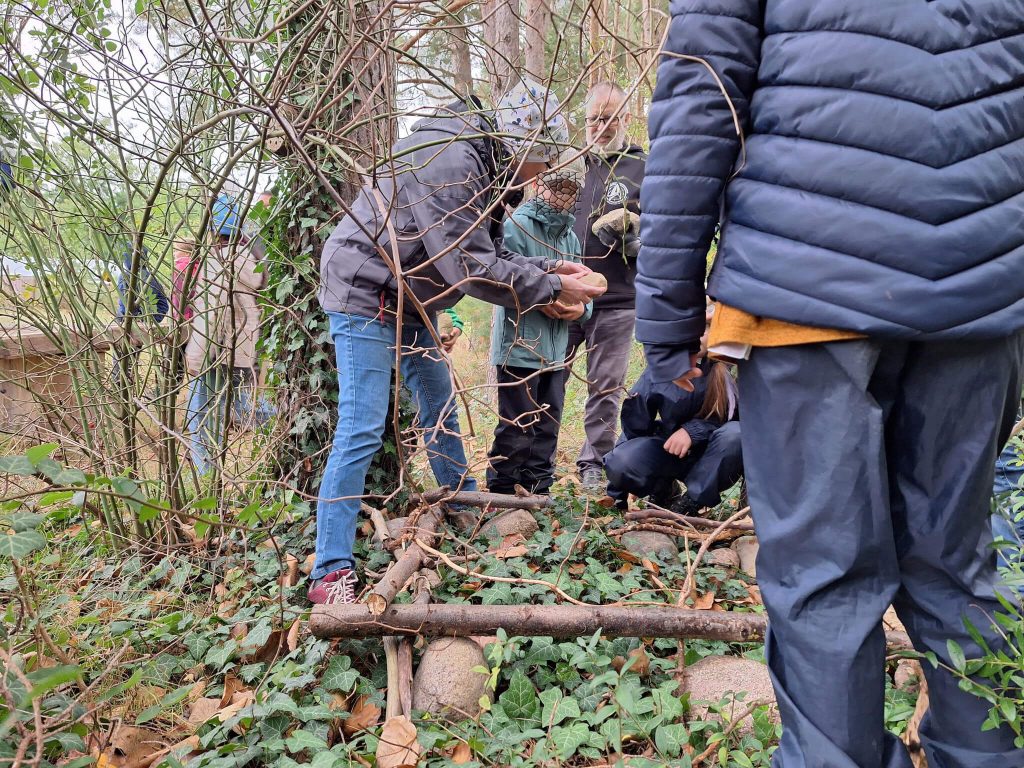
(537,24)
(344,81)
(501,36)
(462,61)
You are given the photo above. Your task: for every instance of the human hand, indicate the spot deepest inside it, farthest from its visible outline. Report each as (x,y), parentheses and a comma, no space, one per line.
(575,291)
(685,381)
(560,311)
(679,443)
(572,269)
(448,339)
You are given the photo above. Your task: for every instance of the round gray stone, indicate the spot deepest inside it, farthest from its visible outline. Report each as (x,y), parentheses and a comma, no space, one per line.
(509,523)
(647,543)
(445,682)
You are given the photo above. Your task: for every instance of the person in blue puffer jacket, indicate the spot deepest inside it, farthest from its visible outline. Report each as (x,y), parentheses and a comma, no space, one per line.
(866,163)
(528,348)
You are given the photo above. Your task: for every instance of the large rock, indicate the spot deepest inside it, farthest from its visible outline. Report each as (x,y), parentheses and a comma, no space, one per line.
(718,677)
(647,543)
(445,682)
(510,523)
(746,548)
(723,557)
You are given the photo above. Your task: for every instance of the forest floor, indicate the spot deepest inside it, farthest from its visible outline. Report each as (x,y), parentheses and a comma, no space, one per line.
(200,655)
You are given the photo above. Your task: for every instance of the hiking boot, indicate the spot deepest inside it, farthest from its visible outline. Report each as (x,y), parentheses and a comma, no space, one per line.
(684,505)
(336,588)
(593,480)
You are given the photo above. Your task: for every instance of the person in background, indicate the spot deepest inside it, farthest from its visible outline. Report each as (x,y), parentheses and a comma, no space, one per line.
(615,170)
(150,306)
(221,352)
(670,435)
(441,193)
(864,161)
(528,348)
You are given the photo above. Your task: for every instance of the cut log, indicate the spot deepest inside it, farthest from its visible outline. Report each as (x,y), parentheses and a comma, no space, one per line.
(404,567)
(558,621)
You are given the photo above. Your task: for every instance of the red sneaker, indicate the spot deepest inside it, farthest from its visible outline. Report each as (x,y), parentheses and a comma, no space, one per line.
(336,588)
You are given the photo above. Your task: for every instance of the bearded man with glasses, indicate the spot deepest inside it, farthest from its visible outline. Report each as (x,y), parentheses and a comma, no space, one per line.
(608,226)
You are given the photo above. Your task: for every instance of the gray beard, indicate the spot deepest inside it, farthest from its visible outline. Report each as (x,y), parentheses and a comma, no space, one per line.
(611,149)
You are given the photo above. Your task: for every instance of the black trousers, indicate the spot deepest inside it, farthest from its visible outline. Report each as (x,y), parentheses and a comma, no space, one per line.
(530,414)
(869,467)
(641,466)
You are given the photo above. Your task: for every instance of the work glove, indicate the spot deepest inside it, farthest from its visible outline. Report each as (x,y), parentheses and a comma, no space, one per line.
(619,229)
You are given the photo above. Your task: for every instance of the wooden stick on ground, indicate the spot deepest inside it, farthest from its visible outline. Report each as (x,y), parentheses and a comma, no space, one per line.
(404,566)
(655,514)
(481,499)
(558,621)
(395,705)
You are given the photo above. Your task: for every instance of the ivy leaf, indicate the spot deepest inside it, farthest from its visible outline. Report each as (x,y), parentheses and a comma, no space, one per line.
(339,675)
(301,740)
(25,521)
(568,739)
(520,700)
(220,655)
(557,707)
(670,739)
(18,544)
(16,465)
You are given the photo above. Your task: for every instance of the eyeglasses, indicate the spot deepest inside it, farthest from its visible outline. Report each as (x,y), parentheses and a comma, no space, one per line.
(604,119)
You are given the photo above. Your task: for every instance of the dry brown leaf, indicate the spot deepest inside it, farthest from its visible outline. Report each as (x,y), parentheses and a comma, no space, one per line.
(268,651)
(577,569)
(308,563)
(650,566)
(484,640)
(629,557)
(197,692)
(293,635)
(290,576)
(232,685)
(606,502)
(625,568)
(519,550)
(755,594)
(202,710)
(131,747)
(462,754)
(270,543)
(239,631)
(642,663)
(398,747)
(227,609)
(704,602)
(364,714)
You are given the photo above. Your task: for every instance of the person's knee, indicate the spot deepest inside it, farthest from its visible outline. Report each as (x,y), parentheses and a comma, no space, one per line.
(728,437)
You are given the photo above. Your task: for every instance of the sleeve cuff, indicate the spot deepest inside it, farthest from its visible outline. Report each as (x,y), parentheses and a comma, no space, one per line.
(667,363)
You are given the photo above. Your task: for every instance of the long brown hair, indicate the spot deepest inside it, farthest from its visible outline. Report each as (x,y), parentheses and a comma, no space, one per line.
(717,405)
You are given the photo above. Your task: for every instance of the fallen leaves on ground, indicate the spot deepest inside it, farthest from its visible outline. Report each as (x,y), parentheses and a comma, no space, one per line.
(462,754)
(364,714)
(131,747)
(398,747)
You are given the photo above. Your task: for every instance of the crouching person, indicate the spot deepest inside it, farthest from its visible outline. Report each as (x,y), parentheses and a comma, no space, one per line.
(529,347)
(670,436)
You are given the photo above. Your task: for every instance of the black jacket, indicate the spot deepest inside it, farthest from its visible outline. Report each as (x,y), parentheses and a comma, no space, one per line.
(441,179)
(612,182)
(882,187)
(658,409)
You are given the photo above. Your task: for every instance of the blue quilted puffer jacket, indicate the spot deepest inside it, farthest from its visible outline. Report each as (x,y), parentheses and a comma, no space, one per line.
(881,186)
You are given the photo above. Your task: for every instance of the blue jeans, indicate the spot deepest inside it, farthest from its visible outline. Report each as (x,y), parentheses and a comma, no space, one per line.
(206,418)
(1008,485)
(365,352)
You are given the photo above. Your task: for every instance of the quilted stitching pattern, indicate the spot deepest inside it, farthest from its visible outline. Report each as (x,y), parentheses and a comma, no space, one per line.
(883,185)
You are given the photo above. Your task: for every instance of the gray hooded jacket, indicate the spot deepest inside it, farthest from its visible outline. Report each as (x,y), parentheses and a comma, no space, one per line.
(434,194)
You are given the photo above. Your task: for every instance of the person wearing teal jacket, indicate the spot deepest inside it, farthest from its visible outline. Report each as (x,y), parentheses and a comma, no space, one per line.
(528,347)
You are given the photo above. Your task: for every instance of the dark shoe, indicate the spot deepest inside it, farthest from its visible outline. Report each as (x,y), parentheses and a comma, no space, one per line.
(593,480)
(684,505)
(336,588)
